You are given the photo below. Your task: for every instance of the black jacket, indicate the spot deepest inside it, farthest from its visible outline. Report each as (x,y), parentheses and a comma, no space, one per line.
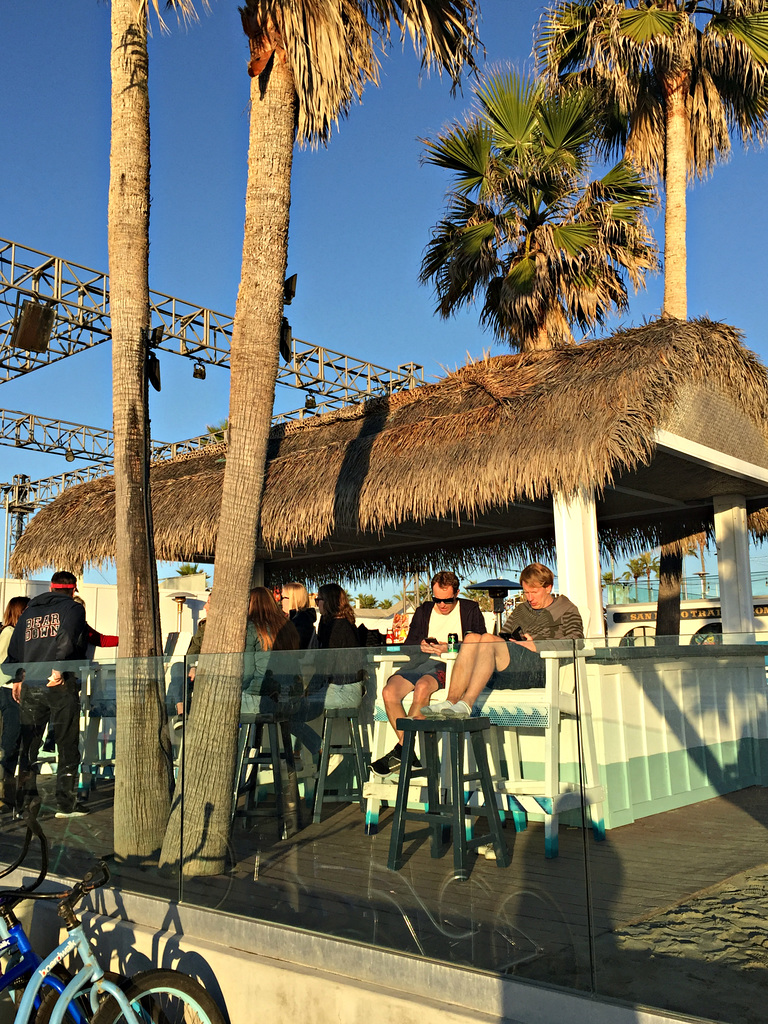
(304,620)
(51,630)
(472,620)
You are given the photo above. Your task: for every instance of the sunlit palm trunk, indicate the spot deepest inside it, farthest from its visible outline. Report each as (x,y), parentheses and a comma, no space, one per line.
(212,731)
(143,771)
(675,285)
(675,304)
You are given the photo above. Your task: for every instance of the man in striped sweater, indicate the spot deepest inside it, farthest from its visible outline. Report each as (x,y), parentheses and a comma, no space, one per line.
(490,660)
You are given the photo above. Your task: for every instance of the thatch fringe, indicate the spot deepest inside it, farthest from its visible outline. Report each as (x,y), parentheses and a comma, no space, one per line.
(501,430)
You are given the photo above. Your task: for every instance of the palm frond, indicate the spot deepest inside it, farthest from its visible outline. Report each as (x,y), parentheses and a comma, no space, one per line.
(334,48)
(543,245)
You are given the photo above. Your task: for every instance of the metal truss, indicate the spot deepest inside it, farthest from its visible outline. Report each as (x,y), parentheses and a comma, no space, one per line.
(80,297)
(75,440)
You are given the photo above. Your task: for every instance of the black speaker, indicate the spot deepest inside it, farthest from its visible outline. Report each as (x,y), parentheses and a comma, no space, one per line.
(33,328)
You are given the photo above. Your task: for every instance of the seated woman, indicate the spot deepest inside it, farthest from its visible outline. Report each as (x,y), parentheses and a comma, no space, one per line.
(269,684)
(294,601)
(336,631)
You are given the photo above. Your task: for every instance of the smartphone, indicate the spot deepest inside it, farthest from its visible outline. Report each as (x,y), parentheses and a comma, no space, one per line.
(517,634)
(430,640)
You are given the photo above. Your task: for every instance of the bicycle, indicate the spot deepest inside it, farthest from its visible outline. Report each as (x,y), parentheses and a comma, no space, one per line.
(15,945)
(52,996)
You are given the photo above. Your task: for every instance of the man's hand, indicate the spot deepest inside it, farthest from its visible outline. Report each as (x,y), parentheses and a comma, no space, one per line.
(55,678)
(192,674)
(529,643)
(16,692)
(428,648)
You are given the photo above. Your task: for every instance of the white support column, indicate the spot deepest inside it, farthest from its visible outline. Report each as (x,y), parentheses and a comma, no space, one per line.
(732,540)
(578,556)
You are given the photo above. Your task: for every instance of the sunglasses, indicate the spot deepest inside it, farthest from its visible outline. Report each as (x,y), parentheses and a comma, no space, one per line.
(444,600)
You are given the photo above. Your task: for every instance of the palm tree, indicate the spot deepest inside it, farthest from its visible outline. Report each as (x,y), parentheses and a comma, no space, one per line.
(308,63)
(217,431)
(187,569)
(143,770)
(675,79)
(636,569)
(643,565)
(525,227)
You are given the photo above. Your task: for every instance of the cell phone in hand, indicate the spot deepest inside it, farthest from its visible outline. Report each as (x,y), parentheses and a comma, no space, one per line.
(430,640)
(517,634)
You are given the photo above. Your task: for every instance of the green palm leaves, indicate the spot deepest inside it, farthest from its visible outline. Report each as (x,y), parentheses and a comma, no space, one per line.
(333,47)
(635,54)
(675,78)
(525,227)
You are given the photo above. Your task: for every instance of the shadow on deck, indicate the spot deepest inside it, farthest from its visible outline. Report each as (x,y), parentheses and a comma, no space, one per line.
(669,911)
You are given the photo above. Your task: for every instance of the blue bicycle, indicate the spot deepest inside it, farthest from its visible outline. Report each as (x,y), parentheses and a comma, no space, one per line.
(51,995)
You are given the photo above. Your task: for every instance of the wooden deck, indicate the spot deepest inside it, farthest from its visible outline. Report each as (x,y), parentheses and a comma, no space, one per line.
(533,919)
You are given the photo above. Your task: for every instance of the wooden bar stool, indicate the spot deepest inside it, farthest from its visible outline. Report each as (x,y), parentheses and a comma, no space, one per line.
(252,757)
(352,746)
(452,813)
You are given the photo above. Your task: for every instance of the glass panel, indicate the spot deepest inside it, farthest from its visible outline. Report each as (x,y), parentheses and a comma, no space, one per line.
(677,887)
(338,875)
(333,874)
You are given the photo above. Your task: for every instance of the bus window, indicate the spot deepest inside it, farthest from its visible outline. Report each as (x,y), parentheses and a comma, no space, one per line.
(712,633)
(640,636)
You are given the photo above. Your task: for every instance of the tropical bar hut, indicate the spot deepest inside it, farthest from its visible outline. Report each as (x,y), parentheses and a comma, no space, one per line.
(649,436)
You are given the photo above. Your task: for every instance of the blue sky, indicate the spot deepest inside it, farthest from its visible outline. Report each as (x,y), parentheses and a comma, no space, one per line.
(361,213)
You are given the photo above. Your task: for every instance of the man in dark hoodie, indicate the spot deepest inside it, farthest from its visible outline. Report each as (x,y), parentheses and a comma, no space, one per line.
(50,632)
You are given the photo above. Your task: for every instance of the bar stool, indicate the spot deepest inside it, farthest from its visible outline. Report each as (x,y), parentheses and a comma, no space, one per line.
(440,816)
(351,746)
(251,756)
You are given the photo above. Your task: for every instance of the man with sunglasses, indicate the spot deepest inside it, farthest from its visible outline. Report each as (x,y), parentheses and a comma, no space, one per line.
(504,661)
(431,624)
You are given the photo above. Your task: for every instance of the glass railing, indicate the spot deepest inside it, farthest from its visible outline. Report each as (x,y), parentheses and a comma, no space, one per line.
(635,828)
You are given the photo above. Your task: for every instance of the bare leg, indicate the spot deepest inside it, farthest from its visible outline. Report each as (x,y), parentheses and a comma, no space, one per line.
(395,689)
(422,691)
(488,654)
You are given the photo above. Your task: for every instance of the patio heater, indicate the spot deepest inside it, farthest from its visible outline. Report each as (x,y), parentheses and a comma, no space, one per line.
(180,598)
(497,591)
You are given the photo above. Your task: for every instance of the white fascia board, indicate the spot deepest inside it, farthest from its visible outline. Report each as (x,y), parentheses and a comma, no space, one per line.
(710,457)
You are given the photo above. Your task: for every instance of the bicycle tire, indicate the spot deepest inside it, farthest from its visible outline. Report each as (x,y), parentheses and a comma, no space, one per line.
(163,996)
(50,997)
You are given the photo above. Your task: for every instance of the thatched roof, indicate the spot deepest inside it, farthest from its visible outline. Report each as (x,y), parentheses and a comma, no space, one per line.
(469,462)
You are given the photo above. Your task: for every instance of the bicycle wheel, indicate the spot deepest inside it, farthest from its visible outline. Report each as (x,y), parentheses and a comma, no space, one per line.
(163,997)
(82,1012)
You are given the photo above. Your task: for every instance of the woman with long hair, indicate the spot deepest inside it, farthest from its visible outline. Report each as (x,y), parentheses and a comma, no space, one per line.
(268,630)
(336,632)
(9,707)
(294,601)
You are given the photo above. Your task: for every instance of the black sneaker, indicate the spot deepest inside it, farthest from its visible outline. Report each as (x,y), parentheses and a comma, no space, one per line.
(389,763)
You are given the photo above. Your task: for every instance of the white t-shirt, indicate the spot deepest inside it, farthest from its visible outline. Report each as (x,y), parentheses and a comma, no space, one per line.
(441,625)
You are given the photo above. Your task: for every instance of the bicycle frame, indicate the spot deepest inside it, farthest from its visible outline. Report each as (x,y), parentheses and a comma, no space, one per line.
(90,978)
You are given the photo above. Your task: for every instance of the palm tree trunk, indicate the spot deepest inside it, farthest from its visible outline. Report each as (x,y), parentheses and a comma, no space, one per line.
(670,576)
(143,764)
(675,182)
(210,752)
